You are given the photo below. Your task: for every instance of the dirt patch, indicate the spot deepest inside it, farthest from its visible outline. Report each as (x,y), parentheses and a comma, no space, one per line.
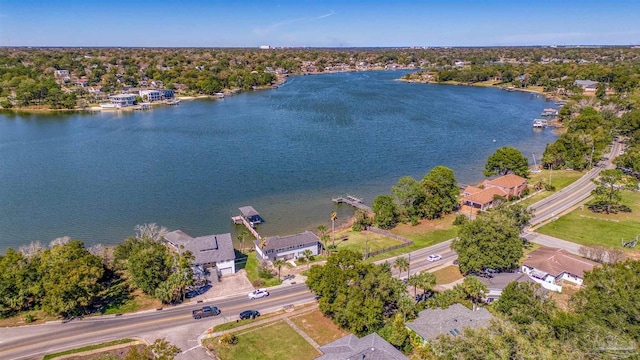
(562,299)
(319,327)
(120,353)
(425,226)
(448,275)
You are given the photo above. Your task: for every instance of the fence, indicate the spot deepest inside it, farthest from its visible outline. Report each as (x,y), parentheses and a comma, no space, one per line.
(405,242)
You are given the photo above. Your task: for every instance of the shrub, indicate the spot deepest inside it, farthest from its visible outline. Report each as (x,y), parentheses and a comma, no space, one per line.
(257,283)
(460,219)
(229,339)
(29,318)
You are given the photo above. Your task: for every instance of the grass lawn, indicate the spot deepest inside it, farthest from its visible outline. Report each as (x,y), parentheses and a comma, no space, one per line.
(140,301)
(277,341)
(234,324)
(585,227)
(448,275)
(252,272)
(318,327)
(90,347)
(559,178)
(353,240)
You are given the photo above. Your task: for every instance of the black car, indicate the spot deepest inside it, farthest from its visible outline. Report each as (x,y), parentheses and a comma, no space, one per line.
(249,314)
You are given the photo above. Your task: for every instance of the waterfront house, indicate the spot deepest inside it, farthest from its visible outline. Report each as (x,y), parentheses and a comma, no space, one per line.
(167,93)
(123,100)
(211,251)
(586,85)
(372,346)
(550,267)
(288,247)
(151,95)
(483,197)
(432,323)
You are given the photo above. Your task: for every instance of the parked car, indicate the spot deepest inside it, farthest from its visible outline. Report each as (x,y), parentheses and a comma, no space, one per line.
(249,314)
(434,257)
(258,293)
(206,311)
(288,277)
(424,296)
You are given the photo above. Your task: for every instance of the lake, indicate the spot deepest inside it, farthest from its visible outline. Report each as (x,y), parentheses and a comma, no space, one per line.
(285,151)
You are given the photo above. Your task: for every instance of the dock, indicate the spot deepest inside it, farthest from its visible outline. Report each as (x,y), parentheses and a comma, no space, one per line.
(540,123)
(353,201)
(240,220)
(249,218)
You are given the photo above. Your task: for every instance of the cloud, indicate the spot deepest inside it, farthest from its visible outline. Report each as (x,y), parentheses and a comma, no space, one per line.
(266,30)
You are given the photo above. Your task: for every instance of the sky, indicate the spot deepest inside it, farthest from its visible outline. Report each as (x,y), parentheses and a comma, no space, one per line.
(317,23)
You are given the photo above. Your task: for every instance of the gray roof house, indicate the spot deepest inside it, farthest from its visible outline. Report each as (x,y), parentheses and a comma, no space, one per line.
(499,281)
(209,251)
(288,247)
(370,347)
(586,85)
(432,323)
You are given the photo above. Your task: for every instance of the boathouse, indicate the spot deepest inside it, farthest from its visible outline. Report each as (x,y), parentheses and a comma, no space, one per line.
(287,247)
(210,251)
(251,215)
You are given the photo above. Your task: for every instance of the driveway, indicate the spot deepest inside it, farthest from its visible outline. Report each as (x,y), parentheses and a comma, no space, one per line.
(228,285)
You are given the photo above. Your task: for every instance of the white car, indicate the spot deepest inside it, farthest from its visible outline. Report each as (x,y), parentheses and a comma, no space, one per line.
(434,257)
(258,293)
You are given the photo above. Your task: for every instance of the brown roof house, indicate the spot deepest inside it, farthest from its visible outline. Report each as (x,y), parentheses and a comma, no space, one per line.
(551,266)
(482,197)
(432,323)
(370,347)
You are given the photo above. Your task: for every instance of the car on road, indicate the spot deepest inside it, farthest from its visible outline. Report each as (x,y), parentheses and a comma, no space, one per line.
(434,257)
(289,277)
(258,293)
(206,311)
(249,314)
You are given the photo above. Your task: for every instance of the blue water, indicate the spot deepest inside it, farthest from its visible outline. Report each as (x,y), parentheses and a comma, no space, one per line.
(285,151)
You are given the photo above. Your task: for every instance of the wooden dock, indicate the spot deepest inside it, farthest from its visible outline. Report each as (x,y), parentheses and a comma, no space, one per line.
(241,220)
(353,201)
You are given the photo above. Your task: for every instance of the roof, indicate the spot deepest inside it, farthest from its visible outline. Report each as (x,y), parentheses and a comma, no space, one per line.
(277,242)
(205,249)
(507,181)
(248,211)
(485,196)
(471,190)
(370,347)
(585,83)
(555,261)
(501,280)
(432,323)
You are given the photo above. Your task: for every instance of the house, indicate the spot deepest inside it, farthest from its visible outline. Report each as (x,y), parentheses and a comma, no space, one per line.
(432,323)
(288,247)
(167,93)
(551,266)
(498,282)
(151,95)
(123,100)
(211,251)
(371,346)
(482,197)
(62,75)
(586,85)
(82,82)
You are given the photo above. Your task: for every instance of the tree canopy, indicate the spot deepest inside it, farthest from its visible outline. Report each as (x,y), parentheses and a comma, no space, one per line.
(507,160)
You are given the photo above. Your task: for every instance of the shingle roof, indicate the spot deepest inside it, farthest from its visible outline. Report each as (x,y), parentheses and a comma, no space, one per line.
(248,211)
(507,181)
(432,323)
(277,242)
(205,249)
(585,83)
(370,347)
(485,196)
(555,261)
(501,280)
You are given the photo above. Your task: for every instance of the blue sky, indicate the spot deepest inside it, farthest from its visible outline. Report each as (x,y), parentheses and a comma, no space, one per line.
(215,23)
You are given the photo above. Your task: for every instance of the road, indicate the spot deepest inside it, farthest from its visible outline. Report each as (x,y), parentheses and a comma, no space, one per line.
(177,325)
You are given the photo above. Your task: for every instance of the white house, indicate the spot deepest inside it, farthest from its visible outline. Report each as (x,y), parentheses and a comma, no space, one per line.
(151,95)
(211,251)
(551,266)
(123,100)
(288,247)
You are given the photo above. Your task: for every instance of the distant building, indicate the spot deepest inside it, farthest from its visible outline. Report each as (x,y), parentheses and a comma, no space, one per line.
(288,247)
(432,323)
(586,85)
(123,100)
(151,95)
(211,251)
(371,347)
(265,47)
(167,93)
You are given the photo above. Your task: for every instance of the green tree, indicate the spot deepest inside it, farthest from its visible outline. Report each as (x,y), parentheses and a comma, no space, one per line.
(525,303)
(386,213)
(397,334)
(607,192)
(308,254)
(149,265)
(507,160)
(334,217)
(402,264)
(474,289)
(279,263)
(446,188)
(410,195)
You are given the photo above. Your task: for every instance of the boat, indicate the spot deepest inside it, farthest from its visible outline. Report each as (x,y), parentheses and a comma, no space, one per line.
(109,106)
(549,112)
(540,123)
(173,102)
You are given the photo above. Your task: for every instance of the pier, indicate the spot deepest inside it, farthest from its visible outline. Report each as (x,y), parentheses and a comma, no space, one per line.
(353,201)
(249,219)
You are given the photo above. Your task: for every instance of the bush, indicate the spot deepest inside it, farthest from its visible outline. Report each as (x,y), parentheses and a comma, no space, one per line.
(257,283)
(549,187)
(28,318)
(264,271)
(229,339)
(460,219)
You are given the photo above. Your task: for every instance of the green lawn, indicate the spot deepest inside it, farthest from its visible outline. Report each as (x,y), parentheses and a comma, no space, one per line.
(447,275)
(353,240)
(559,178)
(585,227)
(252,266)
(319,327)
(277,341)
(90,348)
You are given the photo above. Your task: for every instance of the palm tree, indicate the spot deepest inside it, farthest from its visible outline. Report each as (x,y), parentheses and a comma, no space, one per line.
(474,289)
(414,280)
(427,281)
(241,236)
(402,264)
(279,263)
(307,254)
(334,217)
(322,232)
